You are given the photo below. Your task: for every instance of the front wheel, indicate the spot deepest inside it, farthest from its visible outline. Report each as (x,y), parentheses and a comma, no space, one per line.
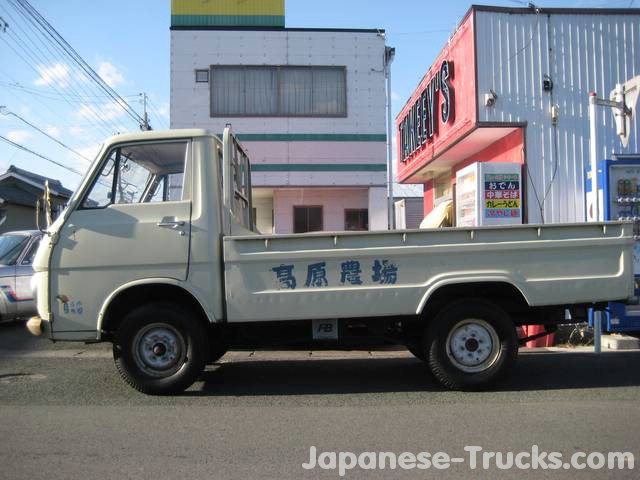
(471,344)
(160,349)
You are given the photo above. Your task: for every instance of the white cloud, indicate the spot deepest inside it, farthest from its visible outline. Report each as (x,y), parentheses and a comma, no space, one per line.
(163,110)
(394,96)
(57,74)
(19,136)
(53,131)
(76,131)
(108,111)
(90,151)
(110,74)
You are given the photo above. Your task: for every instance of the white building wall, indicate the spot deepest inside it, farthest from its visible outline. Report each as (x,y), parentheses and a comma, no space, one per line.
(378,208)
(581,53)
(361,134)
(333,201)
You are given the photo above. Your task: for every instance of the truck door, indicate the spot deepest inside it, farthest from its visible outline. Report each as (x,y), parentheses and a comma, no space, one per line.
(133,221)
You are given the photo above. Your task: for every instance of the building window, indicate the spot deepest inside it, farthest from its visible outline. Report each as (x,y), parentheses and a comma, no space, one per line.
(356,219)
(307,219)
(202,76)
(283,91)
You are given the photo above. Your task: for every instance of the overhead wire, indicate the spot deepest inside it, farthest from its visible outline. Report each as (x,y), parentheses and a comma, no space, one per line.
(44,133)
(75,57)
(27,149)
(30,65)
(55,114)
(43,58)
(156,111)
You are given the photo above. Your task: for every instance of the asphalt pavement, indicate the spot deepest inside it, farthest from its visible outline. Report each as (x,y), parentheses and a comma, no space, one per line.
(65,413)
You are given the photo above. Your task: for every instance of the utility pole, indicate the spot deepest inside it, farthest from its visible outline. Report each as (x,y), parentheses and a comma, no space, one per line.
(622,100)
(389,54)
(145,125)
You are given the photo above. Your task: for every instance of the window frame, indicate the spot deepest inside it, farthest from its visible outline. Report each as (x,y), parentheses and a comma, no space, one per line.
(200,71)
(117,147)
(359,211)
(293,219)
(278,68)
(35,242)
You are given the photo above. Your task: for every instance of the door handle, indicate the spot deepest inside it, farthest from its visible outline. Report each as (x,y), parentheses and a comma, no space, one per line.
(166,223)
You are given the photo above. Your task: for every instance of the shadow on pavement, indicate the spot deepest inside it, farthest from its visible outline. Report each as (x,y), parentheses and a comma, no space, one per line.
(534,371)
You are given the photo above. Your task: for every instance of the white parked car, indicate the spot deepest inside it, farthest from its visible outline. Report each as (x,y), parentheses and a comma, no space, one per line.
(17,250)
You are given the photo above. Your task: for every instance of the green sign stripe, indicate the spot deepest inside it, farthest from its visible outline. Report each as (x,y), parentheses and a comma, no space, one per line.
(319,167)
(227,21)
(312,137)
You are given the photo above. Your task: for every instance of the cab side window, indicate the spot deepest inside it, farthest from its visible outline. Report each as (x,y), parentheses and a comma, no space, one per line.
(141,173)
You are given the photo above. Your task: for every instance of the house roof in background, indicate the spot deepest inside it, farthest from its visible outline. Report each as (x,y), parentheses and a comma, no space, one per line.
(37,181)
(16,196)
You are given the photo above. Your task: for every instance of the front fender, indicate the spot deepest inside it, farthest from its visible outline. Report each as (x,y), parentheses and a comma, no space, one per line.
(152,281)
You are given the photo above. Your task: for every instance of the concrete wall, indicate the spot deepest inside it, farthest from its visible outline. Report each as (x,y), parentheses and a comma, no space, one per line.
(333,201)
(18,217)
(264,217)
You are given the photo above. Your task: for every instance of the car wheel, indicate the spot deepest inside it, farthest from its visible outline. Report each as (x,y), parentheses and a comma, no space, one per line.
(160,349)
(471,344)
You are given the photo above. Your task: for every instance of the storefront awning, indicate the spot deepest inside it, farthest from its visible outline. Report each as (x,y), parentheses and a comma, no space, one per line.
(473,143)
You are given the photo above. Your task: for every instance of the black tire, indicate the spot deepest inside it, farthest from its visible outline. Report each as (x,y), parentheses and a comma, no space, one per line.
(461,335)
(160,348)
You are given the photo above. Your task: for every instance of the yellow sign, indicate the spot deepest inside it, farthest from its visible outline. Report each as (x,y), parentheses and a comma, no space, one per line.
(227,7)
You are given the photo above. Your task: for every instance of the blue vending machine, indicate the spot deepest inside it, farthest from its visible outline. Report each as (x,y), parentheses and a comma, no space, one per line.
(619,197)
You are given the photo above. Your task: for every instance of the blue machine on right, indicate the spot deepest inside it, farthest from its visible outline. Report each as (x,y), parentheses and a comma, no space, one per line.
(619,197)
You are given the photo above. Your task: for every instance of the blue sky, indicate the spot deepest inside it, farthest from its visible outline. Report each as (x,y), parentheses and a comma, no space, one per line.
(127,42)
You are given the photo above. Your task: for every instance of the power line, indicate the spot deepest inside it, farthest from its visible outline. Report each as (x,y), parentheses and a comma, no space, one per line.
(156,112)
(30,65)
(26,149)
(45,105)
(42,57)
(75,57)
(4,111)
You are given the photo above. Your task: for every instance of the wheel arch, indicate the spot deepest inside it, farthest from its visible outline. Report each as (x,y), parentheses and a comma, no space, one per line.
(144,291)
(500,290)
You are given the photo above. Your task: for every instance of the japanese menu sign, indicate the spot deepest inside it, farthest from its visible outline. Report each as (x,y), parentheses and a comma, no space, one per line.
(502,195)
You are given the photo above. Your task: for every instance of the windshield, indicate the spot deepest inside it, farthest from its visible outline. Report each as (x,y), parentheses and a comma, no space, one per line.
(10,248)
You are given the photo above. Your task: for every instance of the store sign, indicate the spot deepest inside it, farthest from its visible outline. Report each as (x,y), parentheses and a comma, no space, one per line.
(502,196)
(421,122)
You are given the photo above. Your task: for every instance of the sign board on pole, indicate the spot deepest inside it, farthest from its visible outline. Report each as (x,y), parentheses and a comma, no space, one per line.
(626,93)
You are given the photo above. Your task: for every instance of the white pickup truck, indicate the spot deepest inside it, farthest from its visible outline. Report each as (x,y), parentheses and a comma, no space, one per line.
(157,254)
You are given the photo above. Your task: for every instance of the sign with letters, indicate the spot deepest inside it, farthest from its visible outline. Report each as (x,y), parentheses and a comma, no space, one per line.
(433,106)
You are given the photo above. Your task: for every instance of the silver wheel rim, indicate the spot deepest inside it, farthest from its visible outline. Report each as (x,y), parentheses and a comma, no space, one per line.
(473,345)
(159,350)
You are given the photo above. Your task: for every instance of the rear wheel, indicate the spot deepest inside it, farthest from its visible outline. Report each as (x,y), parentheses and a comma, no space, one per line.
(471,344)
(160,349)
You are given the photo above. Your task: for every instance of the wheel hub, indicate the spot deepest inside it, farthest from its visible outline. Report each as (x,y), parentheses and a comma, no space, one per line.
(473,345)
(159,349)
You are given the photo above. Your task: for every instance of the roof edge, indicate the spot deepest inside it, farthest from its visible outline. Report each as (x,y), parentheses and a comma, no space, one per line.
(277,29)
(555,10)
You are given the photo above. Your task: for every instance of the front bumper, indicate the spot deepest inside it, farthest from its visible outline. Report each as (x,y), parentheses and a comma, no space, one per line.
(39,327)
